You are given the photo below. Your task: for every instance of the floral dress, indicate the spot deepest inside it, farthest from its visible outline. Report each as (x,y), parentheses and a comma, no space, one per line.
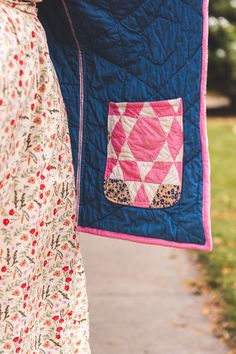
(43,299)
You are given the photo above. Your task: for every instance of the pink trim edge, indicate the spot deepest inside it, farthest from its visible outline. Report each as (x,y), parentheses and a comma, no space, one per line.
(206,168)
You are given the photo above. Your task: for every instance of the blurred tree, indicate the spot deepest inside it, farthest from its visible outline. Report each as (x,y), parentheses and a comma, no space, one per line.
(222,48)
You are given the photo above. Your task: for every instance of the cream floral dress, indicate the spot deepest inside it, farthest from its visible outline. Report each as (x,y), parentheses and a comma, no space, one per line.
(43,299)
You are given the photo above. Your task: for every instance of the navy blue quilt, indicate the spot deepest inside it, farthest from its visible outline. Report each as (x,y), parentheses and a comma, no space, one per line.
(110,52)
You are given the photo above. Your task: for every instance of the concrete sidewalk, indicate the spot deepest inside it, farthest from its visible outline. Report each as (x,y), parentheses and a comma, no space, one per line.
(138,302)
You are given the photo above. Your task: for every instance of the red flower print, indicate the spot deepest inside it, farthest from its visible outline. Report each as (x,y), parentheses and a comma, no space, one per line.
(58,336)
(32,106)
(48,167)
(71,271)
(54,211)
(42,177)
(11,212)
(31,180)
(67,287)
(67,222)
(16,57)
(21,62)
(7,345)
(24,237)
(31,45)
(42,88)
(46,345)
(68,280)
(45,263)
(26,330)
(42,186)
(74,236)
(49,253)
(15,340)
(25,296)
(65,268)
(55,296)
(55,318)
(4,269)
(33,251)
(61,320)
(1,102)
(21,72)
(70,313)
(24,305)
(59,329)
(37,148)
(41,223)
(33,34)
(37,120)
(41,195)
(59,201)
(6,222)
(31,206)
(16,292)
(32,231)
(22,263)
(14,317)
(18,349)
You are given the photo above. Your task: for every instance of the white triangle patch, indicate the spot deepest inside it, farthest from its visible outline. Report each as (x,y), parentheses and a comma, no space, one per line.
(175,104)
(166,123)
(180,121)
(164,154)
(122,108)
(147,111)
(151,189)
(179,157)
(112,120)
(117,172)
(128,123)
(126,153)
(144,168)
(111,151)
(133,188)
(172,177)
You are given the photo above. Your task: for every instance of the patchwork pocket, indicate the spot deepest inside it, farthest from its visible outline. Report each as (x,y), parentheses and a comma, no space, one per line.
(144,153)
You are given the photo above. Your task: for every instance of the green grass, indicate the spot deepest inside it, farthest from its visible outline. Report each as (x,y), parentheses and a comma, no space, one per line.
(221,262)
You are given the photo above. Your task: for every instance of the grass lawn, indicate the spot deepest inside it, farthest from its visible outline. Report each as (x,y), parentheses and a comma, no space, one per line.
(221,262)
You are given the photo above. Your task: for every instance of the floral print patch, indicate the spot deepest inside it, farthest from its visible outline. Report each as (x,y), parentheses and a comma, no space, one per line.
(43,298)
(144,153)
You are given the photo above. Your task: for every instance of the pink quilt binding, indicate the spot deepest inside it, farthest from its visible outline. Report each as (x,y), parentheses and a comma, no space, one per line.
(206,168)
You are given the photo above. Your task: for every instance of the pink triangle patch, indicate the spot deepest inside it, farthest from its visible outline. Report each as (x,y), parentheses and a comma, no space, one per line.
(133,109)
(179,168)
(141,197)
(158,172)
(111,162)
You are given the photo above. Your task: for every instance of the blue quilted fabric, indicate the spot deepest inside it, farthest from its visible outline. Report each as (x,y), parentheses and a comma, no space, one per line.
(139,50)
